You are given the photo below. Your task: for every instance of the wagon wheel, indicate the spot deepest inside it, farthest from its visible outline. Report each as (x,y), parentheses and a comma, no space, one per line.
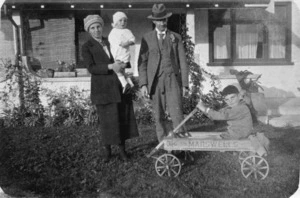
(167,164)
(256,166)
(244,154)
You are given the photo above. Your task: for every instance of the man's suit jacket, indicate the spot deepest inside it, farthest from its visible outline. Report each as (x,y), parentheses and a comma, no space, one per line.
(149,59)
(105,85)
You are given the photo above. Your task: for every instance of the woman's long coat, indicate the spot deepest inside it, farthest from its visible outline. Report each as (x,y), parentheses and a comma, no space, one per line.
(117,120)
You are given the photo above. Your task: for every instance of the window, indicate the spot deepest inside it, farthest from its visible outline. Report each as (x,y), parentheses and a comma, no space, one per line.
(250,36)
(48,37)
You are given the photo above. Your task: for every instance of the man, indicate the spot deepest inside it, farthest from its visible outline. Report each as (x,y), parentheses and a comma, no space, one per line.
(163,71)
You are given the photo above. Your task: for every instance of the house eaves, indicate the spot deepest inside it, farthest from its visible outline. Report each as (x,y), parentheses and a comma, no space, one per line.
(135,1)
(83,4)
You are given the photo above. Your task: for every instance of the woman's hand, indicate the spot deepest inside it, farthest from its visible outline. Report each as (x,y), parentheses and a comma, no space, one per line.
(126,43)
(117,66)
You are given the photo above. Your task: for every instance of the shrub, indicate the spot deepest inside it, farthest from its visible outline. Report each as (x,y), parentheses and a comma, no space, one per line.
(213,98)
(71,107)
(144,112)
(21,82)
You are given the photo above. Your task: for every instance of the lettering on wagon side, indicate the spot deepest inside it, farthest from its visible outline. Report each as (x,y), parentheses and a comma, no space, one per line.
(198,144)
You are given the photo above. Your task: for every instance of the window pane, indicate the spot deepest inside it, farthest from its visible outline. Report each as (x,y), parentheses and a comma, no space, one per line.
(249,39)
(222,42)
(277,41)
(49,37)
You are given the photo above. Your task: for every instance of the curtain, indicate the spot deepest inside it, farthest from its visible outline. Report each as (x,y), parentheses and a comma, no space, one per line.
(247,38)
(277,43)
(222,42)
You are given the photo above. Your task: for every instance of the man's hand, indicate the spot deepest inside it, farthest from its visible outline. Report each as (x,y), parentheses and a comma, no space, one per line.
(144,91)
(185,91)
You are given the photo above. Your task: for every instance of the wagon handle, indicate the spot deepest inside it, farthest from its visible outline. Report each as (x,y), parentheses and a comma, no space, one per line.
(185,119)
(155,149)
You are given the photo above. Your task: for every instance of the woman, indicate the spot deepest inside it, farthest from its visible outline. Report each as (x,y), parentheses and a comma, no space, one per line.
(115,110)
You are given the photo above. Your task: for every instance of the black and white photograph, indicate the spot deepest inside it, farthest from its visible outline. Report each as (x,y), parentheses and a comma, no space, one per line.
(149,99)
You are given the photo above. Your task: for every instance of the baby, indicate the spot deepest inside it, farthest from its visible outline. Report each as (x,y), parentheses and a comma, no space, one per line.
(237,114)
(120,38)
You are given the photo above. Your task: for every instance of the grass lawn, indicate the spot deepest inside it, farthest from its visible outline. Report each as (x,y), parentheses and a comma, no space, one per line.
(67,162)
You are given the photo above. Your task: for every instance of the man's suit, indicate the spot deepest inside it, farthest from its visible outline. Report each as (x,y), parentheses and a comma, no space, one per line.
(163,69)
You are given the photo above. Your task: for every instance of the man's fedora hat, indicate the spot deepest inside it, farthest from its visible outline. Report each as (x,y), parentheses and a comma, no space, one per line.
(159,12)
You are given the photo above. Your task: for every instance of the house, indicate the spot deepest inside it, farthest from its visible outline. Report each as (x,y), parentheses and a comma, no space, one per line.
(262,36)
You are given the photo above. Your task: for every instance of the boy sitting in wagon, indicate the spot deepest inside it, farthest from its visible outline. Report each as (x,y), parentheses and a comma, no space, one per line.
(236,113)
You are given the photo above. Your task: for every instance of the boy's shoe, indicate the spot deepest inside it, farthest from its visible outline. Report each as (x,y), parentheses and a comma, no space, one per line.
(127,89)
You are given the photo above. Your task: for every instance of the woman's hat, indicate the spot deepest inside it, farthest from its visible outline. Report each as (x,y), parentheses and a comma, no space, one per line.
(159,12)
(90,19)
(230,89)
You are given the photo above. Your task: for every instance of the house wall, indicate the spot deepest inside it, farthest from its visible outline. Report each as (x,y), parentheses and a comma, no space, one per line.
(6,39)
(7,48)
(280,81)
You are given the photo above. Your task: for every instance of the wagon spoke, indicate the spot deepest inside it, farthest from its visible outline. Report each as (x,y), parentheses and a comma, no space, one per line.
(261,160)
(172,161)
(262,174)
(249,173)
(161,160)
(247,168)
(253,160)
(164,171)
(263,167)
(248,163)
(166,159)
(160,167)
(175,172)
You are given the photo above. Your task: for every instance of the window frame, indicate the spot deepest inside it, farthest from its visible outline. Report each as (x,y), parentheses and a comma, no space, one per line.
(233,23)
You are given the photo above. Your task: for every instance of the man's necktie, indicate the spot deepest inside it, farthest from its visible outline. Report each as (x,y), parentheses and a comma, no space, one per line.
(161,36)
(160,39)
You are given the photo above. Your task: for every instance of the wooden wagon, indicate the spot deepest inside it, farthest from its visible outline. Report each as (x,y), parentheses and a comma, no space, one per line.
(251,152)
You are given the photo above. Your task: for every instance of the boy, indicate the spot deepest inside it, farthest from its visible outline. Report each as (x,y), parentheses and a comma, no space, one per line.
(120,38)
(237,114)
